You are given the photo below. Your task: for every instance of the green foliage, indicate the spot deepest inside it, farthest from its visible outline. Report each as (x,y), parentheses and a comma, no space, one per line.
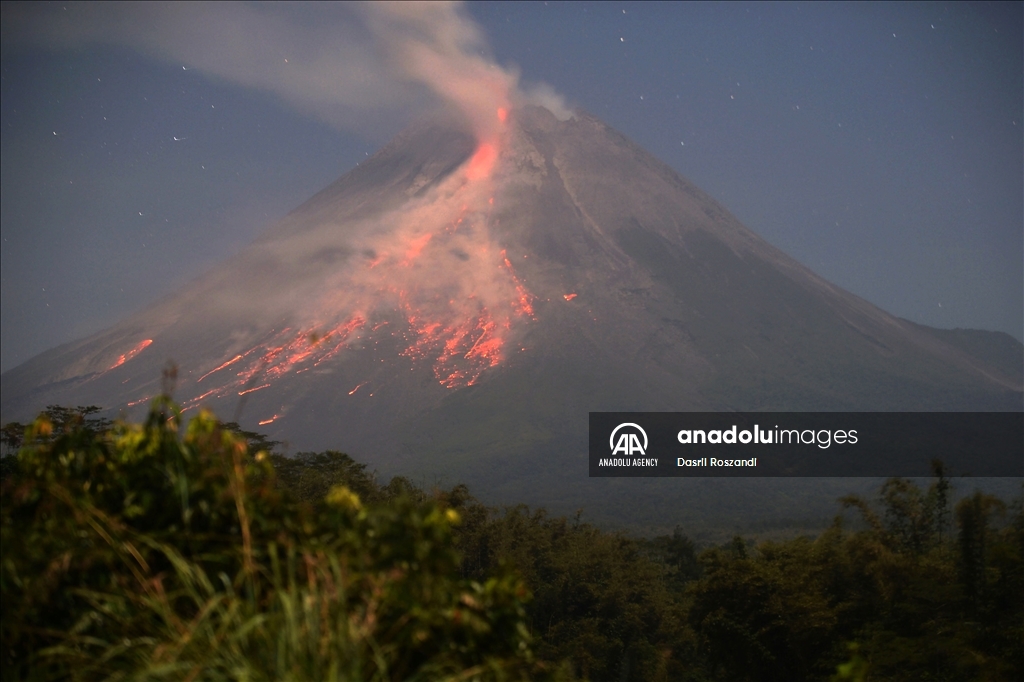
(12,435)
(62,420)
(145,552)
(255,441)
(678,554)
(599,601)
(140,552)
(855,669)
(310,475)
(900,600)
(765,617)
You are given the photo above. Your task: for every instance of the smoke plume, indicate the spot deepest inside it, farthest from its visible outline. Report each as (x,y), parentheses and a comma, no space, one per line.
(426,271)
(350,65)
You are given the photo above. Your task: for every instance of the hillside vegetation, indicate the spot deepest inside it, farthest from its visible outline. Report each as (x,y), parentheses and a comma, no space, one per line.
(156,551)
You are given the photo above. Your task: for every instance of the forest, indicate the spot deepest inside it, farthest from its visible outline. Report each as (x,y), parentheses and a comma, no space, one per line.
(196,551)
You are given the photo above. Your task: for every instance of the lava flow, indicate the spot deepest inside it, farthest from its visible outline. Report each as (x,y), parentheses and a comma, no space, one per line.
(431,263)
(141,346)
(482,162)
(276,356)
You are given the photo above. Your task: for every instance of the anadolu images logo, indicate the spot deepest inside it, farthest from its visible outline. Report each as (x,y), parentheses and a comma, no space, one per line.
(628,442)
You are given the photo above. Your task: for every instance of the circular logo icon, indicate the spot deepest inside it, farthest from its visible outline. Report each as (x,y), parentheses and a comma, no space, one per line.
(628,442)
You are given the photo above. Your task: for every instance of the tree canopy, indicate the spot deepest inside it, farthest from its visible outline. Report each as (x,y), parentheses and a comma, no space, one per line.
(164,551)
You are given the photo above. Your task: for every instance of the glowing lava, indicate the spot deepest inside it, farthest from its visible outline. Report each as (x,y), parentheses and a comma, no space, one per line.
(524,299)
(461,350)
(568,297)
(432,264)
(416,248)
(277,355)
(482,161)
(217,369)
(141,346)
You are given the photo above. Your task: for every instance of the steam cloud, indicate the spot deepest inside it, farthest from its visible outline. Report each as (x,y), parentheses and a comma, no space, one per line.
(346,64)
(431,263)
(423,276)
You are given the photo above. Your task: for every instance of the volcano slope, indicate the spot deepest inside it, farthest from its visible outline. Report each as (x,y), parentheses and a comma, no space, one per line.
(453,308)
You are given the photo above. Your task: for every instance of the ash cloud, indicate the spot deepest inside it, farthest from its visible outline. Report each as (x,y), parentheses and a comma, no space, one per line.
(350,65)
(428,262)
(422,281)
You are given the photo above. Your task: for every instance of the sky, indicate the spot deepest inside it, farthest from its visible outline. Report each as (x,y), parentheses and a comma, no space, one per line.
(880,144)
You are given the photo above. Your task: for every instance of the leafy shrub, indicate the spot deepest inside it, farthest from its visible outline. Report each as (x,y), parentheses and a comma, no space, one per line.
(141,552)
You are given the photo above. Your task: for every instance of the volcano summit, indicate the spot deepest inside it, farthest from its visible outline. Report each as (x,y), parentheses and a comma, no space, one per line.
(455,307)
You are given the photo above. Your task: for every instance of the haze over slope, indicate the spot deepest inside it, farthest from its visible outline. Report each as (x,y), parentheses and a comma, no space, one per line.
(457,304)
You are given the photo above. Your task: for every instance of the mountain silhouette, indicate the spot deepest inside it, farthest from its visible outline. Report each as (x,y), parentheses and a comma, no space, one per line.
(453,308)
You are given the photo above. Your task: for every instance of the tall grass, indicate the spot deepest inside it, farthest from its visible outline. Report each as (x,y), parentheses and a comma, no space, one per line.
(148,553)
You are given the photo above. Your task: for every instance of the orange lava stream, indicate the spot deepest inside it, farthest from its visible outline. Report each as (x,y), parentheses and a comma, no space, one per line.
(568,297)
(525,301)
(217,369)
(141,346)
(416,247)
(342,333)
(461,350)
(482,161)
(277,356)
(460,313)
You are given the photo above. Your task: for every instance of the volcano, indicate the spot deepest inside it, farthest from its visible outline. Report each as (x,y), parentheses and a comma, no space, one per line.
(454,307)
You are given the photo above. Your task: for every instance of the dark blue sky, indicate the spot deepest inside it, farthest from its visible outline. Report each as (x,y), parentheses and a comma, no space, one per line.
(880,144)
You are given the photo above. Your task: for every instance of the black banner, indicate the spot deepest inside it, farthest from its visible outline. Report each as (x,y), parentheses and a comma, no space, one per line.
(876,444)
